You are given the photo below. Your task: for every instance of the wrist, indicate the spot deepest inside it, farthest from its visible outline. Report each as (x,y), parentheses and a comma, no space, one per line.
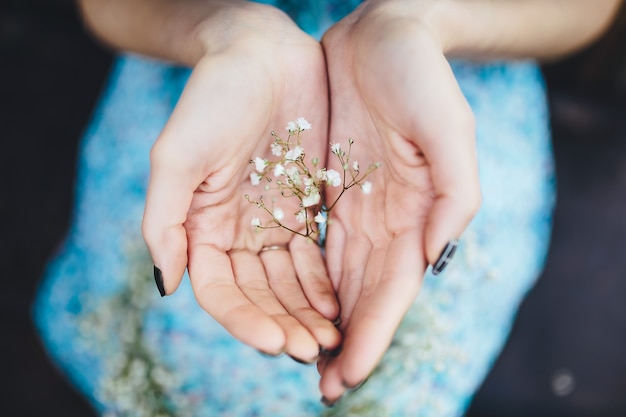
(433,17)
(510,30)
(252,27)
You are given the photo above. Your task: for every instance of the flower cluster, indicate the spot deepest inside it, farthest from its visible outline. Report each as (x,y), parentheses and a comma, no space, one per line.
(133,378)
(293,178)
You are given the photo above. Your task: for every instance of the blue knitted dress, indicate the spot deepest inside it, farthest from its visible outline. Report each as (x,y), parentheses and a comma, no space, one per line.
(135,354)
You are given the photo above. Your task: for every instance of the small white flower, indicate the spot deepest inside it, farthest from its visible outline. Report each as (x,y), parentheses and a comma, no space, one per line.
(279,170)
(303,124)
(312,198)
(307,182)
(260,164)
(255,178)
(321,174)
(333,178)
(355,165)
(278,214)
(294,154)
(256,222)
(277,150)
(320,218)
(292,127)
(301,216)
(366,187)
(294,175)
(335,148)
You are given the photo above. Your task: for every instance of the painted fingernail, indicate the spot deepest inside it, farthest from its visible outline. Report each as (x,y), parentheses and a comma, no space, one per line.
(446,256)
(328,403)
(302,361)
(158,278)
(332,353)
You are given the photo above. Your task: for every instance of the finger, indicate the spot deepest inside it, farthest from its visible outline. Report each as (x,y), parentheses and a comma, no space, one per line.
(250,276)
(449,146)
(455,179)
(178,163)
(351,284)
(377,316)
(211,276)
(321,364)
(335,247)
(285,286)
(169,195)
(315,282)
(436,117)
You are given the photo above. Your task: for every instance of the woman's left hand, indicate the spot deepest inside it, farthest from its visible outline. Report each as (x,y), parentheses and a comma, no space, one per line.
(394,93)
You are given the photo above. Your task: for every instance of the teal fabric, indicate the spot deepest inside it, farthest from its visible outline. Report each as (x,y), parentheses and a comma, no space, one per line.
(135,354)
(315,17)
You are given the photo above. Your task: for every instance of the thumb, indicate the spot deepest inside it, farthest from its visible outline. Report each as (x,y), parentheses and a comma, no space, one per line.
(448,217)
(169,196)
(454,171)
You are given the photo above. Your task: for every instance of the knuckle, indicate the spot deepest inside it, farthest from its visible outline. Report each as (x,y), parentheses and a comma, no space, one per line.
(150,233)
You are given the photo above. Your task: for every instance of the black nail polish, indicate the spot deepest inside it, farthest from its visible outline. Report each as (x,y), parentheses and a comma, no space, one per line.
(446,256)
(303,362)
(328,403)
(331,353)
(158,278)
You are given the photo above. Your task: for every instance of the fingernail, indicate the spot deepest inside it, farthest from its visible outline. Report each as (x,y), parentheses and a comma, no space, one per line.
(354,387)
(446,256)
(269,355)
(337,322)
(158,278)
(332,353)
(328,403)
(303,362)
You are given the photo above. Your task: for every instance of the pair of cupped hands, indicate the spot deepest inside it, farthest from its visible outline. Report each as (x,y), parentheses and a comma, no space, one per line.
(378,77)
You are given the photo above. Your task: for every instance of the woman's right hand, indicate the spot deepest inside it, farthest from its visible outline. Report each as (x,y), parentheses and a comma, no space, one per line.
(258,73)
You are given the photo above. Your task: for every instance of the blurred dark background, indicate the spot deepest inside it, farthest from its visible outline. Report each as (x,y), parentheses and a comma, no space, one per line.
(567,353)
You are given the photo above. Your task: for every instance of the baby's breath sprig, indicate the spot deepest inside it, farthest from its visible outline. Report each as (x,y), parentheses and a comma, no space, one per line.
(291,176)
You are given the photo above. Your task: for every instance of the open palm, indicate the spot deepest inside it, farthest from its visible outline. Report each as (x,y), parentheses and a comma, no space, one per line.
(394,93)
(197,215)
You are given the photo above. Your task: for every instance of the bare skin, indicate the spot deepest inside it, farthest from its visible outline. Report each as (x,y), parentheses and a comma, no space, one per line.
(390,87)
